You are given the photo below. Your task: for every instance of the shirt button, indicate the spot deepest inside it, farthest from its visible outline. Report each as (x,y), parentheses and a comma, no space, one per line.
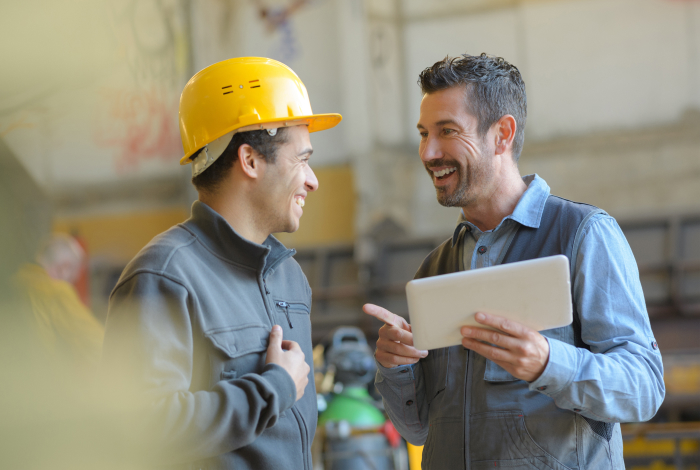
(403,371)
(654,345)
(409,402)
(482,249)
(469,229)
(542,388)
(577,410)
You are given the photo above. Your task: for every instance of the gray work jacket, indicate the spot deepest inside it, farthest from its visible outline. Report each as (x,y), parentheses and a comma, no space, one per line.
(188,324)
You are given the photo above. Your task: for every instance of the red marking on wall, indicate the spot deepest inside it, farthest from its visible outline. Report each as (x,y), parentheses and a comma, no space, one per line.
(140,125)
(275,17)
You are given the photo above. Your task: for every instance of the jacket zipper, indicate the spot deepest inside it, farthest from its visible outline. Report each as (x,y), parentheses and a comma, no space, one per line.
(285,306)
(263,274)
(305,433)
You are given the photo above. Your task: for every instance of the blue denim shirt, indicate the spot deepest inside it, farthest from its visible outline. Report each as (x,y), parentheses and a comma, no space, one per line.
(617,378)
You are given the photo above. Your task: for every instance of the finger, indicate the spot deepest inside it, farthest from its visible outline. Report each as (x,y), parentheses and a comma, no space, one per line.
(511,327)
(289,345)
(497,355)
(399,349)
(390,360)
(393,333)
(495,337)
(275,338)
(385,315)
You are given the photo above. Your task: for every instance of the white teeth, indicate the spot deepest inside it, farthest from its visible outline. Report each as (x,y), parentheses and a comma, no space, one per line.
(300,202)
(444,172)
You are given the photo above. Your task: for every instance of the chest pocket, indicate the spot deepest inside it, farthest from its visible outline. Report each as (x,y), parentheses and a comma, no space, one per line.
(290,309)
(237,351)
(495,373)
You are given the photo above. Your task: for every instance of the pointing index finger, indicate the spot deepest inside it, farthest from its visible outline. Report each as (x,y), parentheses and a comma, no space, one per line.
(386,316)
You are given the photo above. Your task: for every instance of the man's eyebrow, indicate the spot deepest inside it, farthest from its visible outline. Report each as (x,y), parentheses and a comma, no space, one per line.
(307,150)
(439,123)
(445,122)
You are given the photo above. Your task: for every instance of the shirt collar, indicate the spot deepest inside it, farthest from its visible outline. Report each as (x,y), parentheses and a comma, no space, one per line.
(527,212)
(218,235)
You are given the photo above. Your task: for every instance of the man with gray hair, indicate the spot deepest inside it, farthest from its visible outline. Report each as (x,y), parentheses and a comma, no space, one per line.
(516,397)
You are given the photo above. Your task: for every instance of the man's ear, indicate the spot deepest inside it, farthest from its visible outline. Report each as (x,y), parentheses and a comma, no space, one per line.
(505,133)
(249,161)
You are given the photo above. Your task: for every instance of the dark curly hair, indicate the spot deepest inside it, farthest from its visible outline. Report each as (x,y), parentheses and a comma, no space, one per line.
(494,88)
(263,143)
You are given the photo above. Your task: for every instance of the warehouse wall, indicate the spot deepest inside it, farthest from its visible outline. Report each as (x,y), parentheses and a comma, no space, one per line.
(613,96)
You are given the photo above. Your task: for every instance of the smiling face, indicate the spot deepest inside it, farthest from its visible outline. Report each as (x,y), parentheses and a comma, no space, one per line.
(458,160)
(285,184)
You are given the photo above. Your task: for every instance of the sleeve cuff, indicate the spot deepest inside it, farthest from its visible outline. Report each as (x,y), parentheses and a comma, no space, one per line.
(282,383)
(560,370)
(398,374)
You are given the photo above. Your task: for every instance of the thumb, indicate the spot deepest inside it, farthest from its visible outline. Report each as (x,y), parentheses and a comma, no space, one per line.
(275,338)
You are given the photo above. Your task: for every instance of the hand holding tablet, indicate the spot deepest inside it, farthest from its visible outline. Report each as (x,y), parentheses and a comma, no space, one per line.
(535,293)
(495,312)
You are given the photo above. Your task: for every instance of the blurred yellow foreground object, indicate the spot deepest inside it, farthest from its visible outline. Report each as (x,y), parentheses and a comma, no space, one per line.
(62,323)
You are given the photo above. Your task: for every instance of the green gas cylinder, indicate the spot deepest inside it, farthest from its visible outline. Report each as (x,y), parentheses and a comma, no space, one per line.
(355,406)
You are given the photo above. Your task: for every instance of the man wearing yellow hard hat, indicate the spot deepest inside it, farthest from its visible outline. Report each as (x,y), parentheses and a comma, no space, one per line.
(211,318)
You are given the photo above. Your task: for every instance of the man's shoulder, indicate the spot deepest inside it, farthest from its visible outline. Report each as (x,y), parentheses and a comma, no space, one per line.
(559,203)
(441,260)
(161,252)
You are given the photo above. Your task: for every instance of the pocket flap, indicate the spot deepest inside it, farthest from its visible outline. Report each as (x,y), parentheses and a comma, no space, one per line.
(240,340)
(496,373)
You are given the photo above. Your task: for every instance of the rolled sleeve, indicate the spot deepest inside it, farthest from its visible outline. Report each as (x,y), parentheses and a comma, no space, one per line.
(618,375)
(403,395)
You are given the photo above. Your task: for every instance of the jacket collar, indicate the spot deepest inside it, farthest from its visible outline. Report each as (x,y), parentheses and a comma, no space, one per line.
(527,212)
(217,235)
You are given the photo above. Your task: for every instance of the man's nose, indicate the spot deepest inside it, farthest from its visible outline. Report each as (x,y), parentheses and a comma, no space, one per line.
(311,182)
(429,150)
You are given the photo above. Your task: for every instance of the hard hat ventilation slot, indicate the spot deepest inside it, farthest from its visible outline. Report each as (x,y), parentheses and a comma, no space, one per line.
(255,81)
(225,87)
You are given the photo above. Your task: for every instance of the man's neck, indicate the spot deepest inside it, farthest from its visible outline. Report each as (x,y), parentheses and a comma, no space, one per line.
(237,212)
(487,213)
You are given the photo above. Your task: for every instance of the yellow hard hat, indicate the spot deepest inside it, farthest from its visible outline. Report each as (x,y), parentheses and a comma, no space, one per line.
(239,95)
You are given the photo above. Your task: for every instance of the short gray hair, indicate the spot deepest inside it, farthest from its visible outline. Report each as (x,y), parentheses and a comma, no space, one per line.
(494,87)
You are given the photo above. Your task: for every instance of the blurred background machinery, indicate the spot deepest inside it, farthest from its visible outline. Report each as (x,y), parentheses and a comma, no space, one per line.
(353,432)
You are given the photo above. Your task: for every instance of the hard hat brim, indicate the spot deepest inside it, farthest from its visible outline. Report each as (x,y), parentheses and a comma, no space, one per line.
(316,122)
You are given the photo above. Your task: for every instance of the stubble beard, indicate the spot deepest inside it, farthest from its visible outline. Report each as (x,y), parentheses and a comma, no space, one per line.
(277,220)
(464,194)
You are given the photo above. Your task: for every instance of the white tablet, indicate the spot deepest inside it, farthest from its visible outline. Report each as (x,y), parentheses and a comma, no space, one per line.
(536,293)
